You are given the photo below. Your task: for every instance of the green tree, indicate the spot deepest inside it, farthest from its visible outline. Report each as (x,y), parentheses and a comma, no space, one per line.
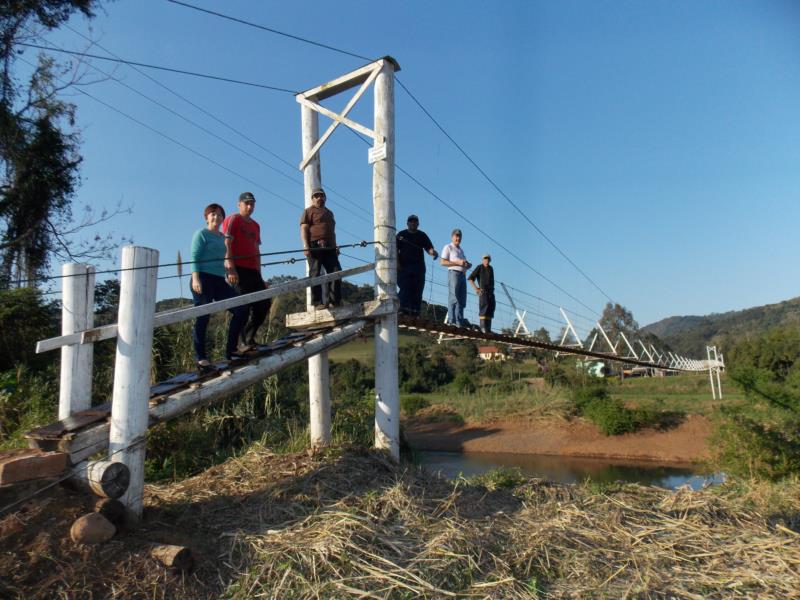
(617,319)
(542,335)
(39,157)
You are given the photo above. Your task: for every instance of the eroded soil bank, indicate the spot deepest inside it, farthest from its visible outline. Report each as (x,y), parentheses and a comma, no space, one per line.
(686,442)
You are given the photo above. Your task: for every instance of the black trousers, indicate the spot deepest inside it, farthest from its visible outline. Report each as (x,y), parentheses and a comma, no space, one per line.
(486,304)
(250,281)
(411,283)
(325,259)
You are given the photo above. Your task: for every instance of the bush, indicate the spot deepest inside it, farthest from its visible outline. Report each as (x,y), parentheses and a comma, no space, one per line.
(354,419)
(558,374)
(463,383)
(610,414)
(762,438)
(25,318)
(27,400)
(422,370)
(411,404)
(746,448)
(493,370)
(500,478)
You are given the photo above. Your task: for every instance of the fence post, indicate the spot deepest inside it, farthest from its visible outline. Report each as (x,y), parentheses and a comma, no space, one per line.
(129,409)
(77,314)
(387,398)
(319,393)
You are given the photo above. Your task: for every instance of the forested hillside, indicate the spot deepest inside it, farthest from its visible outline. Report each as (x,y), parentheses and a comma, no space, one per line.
(689,335)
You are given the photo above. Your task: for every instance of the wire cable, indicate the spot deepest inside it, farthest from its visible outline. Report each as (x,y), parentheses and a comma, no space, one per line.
(269,29)
(159,68)
(499,190)
(361,244)
(425,111)
(208,131)
(190,149)
(224,124)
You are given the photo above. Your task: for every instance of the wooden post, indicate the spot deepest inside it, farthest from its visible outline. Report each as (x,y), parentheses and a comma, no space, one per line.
(387,397)
(129,409)
(77,314)
(319,394)
(104,478)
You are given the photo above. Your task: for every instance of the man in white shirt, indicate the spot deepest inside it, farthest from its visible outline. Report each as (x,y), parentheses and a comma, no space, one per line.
(457,264)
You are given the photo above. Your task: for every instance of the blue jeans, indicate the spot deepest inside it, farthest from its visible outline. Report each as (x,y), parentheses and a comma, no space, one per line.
(214,288)
(457,297)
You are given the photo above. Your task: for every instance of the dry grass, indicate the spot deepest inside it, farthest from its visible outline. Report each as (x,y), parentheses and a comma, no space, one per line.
(349,524)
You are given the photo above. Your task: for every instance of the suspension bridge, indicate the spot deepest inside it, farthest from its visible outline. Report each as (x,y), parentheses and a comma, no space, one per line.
(103,447)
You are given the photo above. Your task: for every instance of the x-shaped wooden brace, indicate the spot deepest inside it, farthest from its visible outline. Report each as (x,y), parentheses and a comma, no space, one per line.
(341,118)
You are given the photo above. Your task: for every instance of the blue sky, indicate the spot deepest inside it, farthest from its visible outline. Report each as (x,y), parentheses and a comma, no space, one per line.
(656,143)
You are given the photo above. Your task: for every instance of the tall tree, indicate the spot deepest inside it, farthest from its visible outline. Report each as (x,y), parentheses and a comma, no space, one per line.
(39,157)
(617,319)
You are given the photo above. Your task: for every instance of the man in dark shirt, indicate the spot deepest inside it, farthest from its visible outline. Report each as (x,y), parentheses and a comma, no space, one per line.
(411,246)
(318,233)
(484,273)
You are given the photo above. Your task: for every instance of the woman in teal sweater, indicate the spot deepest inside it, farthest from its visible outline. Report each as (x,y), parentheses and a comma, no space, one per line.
(209,284)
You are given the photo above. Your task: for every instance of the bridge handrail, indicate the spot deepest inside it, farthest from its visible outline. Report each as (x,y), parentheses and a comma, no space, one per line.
(170,317)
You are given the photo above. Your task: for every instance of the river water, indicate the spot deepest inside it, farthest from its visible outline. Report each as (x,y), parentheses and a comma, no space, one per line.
(565,469)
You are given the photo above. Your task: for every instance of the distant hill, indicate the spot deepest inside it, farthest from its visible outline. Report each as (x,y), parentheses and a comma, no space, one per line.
(691,334)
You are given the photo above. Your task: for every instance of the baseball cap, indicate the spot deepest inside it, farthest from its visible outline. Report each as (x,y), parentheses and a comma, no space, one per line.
(456,232)
(489,256)
(412,218)
(317,192)
(247,197)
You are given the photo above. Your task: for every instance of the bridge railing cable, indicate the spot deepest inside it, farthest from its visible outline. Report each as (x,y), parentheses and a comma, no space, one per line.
(361,244)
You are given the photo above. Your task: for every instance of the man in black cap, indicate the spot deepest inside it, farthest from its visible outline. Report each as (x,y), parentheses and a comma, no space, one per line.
(411,246)
(318,234)
(243,264)
(484,273)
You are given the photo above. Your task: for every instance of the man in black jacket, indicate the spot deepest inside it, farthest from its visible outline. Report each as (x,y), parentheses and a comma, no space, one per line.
(484,274)
(412,243)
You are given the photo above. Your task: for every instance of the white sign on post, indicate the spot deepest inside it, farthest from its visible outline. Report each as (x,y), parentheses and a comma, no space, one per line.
(376,153)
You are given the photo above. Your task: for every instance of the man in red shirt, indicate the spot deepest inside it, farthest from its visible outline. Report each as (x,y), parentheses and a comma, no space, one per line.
(243,264)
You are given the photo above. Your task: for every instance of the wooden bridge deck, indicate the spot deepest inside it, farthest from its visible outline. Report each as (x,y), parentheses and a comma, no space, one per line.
(86,432)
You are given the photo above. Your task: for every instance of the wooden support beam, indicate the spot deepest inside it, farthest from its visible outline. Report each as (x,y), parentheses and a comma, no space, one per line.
(328,316)
(81,445)
(77,314)
(347,81)
(338,118)
(105,478)
(129,416)
(387,395)
(28,465)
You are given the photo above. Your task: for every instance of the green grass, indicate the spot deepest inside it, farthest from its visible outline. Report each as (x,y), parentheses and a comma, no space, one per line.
(362,349)
(490,402)
(688,393)
(683,394)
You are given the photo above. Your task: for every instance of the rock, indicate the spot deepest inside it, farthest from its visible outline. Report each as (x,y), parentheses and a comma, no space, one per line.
(93,528)
(111,509)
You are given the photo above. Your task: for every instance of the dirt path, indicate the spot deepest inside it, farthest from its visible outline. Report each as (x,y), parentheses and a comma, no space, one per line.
(688,442)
